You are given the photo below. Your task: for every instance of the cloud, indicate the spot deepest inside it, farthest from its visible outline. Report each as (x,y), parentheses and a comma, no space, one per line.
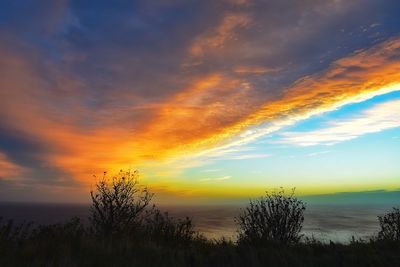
(356,78)
(8,169)
(247,156)
(218,37)
(139,85)
(376,119)
(352,79)
(222,178)
(253,70)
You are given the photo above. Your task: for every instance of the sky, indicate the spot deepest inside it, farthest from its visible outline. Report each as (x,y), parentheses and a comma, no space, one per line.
(209,100)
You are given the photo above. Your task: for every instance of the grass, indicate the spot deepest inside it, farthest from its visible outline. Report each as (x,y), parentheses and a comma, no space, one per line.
(71,244)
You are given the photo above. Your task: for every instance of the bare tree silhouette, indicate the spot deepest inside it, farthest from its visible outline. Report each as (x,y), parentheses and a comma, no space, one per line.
(276,217)
(118,204)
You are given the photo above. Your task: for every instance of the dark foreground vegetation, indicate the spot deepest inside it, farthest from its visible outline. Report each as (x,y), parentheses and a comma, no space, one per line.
(124,229)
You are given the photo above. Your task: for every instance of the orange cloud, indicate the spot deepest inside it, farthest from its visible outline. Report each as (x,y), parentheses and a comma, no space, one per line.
(197,112)
(7,168)
(218,111)
(354,76)
(351,79)
(217,38)
(253,70)
(213,111)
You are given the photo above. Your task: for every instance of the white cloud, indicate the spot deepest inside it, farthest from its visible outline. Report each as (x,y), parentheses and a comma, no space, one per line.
(376,119)
(222,178)
(247,156)
(233,146)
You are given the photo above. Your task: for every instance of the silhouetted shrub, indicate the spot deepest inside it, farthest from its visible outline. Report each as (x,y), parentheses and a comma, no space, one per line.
(12,232)
(118,204)
(71,230)
(161,227)
(276,217)
(390,225)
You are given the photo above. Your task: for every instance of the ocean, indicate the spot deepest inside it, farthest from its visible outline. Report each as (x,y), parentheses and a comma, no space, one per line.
(337,223)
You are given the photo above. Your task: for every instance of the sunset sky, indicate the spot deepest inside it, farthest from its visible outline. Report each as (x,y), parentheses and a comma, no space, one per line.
(210,100)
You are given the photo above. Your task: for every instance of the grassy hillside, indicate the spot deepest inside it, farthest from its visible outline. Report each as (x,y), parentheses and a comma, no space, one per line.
(63,245)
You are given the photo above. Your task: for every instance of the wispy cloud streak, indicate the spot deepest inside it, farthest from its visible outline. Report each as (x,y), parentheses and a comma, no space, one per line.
(376,119)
